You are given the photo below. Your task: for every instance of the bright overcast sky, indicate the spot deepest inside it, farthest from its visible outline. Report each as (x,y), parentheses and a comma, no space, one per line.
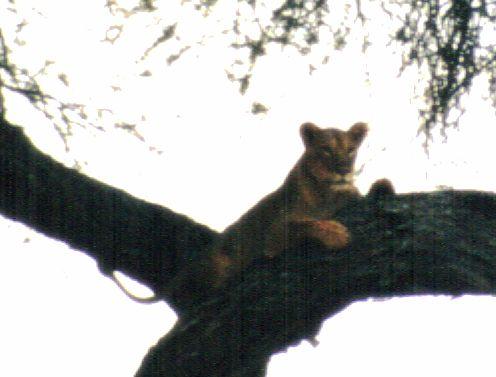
(204,154)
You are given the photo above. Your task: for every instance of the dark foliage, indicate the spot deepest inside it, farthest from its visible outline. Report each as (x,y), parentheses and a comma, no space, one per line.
(455,40)
(451,42)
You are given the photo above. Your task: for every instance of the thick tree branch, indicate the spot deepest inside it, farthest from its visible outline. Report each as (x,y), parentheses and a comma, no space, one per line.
(147,242)
(431,243)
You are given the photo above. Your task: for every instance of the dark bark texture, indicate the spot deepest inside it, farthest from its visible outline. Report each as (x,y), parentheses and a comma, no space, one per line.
(420,243)
(145,241)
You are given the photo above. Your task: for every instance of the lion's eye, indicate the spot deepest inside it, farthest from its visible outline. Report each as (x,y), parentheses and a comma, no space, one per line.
(327,151)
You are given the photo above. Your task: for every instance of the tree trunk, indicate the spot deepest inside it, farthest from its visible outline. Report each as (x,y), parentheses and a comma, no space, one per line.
(425,243)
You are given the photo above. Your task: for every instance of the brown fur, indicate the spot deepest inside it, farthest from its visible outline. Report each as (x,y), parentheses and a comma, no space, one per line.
(319,184)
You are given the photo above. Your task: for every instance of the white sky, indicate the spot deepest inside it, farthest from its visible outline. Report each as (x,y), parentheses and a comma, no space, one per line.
(217,160)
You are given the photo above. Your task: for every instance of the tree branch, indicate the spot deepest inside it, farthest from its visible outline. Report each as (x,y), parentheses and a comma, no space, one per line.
(431,243)
(148,242)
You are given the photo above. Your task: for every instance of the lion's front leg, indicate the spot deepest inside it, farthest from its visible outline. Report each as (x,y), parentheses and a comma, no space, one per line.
(332,234)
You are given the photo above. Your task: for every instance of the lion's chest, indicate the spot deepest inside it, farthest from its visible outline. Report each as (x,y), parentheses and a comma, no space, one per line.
(322,204)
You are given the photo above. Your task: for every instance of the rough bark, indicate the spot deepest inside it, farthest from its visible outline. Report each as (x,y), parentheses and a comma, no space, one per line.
(145,241)
(424,243)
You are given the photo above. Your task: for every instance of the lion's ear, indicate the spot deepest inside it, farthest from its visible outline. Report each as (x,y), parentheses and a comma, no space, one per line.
(309,132)
(358,132)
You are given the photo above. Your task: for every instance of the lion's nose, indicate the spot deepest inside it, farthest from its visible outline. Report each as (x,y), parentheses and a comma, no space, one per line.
(342,169)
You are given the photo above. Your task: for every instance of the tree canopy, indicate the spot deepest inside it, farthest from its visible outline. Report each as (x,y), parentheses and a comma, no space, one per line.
(449,43)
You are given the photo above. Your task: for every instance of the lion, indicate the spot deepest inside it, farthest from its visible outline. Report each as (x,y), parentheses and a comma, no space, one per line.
(320,184)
